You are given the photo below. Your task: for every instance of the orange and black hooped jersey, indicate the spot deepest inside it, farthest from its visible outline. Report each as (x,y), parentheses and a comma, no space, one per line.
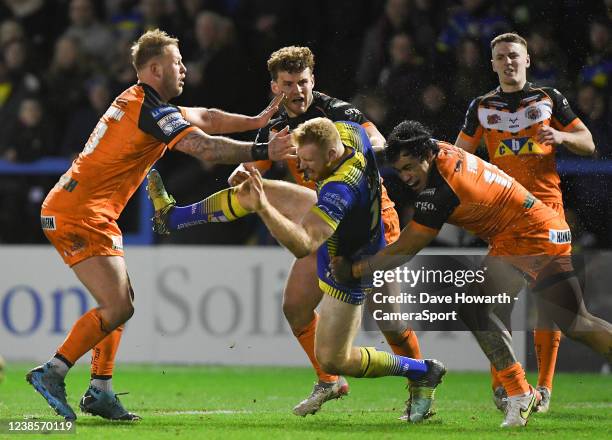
(466,191)
(509,122)
(322,106)
(133,133)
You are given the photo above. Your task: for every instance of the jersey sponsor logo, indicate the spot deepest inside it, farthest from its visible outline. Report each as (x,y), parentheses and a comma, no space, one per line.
(336,200)
(559,236)
(117,242)
(495,175)
(114,113)
(425,206)
(158,112)
(518,147)
(352,112)
(533,113)
(47,222)
(428,191)
(521,119)
(171,123)
(472,163)
(493,119)
(529,201)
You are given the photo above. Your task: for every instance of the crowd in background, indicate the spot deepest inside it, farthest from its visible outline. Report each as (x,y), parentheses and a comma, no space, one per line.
(63,61)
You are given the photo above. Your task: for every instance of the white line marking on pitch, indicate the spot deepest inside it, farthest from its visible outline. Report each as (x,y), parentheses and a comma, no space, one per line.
(195,412)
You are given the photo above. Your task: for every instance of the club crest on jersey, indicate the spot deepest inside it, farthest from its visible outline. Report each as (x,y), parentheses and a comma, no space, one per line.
(533,113)
(518,147)
(493,119)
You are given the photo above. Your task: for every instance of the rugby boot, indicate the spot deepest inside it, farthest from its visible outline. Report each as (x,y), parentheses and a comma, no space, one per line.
(105,404)
(51,386)
(321,393)
(500,398)
(162,202)
(422,391)
(519,408)
(544,404)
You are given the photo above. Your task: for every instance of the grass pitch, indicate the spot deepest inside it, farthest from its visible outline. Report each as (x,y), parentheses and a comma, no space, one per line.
(238,403)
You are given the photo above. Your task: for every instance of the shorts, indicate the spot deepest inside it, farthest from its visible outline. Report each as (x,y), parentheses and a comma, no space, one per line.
(389,217)
(540,253)
(77,239)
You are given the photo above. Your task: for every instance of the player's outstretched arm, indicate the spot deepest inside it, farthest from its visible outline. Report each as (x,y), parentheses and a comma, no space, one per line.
(215,121)
(301,239)
(376,138)
(412,239)
(219,149)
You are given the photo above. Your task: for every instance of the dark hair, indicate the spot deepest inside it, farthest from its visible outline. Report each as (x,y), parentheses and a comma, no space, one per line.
(412,139)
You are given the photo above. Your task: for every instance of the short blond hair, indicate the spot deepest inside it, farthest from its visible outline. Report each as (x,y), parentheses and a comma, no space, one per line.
(292,59)
(319,131)
(150,45)
(509,37)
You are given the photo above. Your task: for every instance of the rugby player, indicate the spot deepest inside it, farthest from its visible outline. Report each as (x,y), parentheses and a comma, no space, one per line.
(522,125)
(291,71)
(79,214)
(340,158)
(527,239)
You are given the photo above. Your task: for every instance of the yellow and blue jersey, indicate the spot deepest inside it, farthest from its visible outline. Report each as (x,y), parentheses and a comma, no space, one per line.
(349,201)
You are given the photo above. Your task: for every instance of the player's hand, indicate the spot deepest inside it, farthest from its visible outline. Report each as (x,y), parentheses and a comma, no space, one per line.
(342,269)
(280,146)
(549,136)
(251,192)
(239,175)
(262,119)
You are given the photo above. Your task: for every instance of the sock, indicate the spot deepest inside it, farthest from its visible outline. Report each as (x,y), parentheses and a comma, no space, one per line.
(513,378)
(495,382)
(223,206)
(60,365)
(101,383)
(380,363)
(546,345)
(409,347)
(103,354)
(306,337)
(84,335)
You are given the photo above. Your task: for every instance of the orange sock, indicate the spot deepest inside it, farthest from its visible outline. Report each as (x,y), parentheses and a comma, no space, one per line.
(103,354)
(546,346)
(514,380)
(409,346)
(84,335)
(495,382)
(306,337)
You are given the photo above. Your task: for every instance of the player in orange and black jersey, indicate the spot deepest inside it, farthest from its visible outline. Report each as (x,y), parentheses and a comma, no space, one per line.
(522,125)
(79,214)
(527,238)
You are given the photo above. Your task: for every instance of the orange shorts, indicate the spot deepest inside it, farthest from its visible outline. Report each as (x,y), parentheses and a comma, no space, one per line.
(77,239)
(389,216)
(392,225)
(540,252)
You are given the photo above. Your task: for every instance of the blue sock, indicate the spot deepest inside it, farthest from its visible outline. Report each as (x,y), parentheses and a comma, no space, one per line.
(223,206)
(413,368)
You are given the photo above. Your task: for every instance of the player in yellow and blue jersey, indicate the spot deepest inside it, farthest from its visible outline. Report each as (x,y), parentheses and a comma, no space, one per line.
(344,221)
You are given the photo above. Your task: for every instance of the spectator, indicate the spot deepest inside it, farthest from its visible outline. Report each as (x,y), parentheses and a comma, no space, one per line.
(64,80)
(32,136)
(83,120)
(478,19)
(96,39)
(403,78)
(548,63)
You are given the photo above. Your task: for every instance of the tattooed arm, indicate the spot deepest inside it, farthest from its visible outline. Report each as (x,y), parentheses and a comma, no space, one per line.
(219,149)
(215,149)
